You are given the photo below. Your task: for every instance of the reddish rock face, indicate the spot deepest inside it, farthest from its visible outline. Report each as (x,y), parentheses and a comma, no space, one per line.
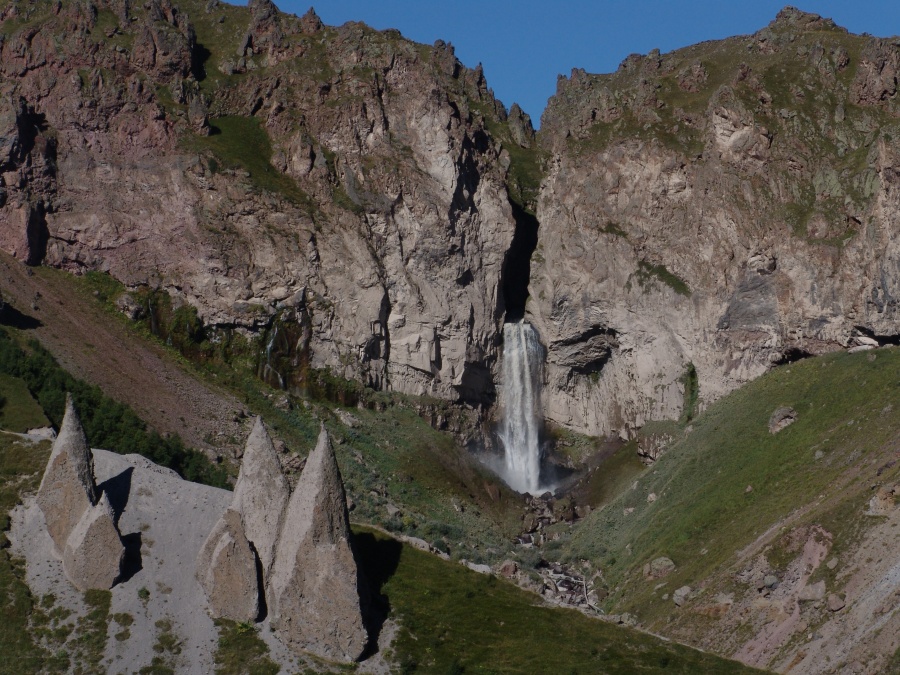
(376,207)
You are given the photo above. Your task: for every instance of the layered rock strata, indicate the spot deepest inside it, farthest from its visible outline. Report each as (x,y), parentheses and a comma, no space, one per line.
(371,205)
(79,518)
(713,212)
(704,215)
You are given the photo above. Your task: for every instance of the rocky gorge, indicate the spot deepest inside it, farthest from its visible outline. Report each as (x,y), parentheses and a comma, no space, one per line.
(695,218)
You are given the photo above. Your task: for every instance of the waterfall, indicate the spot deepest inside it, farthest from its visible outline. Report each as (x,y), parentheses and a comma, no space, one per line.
(520,426)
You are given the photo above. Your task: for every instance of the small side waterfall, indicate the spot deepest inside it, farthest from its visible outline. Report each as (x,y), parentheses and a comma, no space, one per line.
(523,357)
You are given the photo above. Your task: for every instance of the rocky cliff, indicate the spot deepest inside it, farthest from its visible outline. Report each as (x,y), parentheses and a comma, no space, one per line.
(366,204)
(249,162)
(709,213)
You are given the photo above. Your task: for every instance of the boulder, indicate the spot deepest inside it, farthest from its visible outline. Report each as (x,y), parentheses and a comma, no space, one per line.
(94,553)
(313,595)
(781,418)
(67,489)
(659,568)
(226,569)
(261,494)
(680,596)
(812,592)
(835,602)
(508,569)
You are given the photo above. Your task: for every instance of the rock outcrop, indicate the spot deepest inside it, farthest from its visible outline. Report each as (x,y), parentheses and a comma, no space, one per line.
(261,494)
(227,571)
(313,592)
(79,519)
(700,226)
(67,490)
(94,552)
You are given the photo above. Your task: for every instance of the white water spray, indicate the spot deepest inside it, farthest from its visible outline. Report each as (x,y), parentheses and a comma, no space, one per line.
(520,429)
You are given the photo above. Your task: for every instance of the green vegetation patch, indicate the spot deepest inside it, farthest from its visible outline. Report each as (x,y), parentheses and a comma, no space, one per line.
(19,412)
(21,467)
(647,272)
(107,423)
(91,629)
(240,143)
(453,620)
(727,480)
(241,651)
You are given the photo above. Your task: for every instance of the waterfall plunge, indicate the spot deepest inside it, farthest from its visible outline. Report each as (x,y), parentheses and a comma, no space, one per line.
(523,357)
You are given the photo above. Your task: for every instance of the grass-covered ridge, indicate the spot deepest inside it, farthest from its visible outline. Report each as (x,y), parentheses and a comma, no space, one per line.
(728,480)
(453,620)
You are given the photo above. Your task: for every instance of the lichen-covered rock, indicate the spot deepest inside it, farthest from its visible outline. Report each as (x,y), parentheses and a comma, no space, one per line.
(226,569)
(67,489)
(94,553)
(261,494)
(313,594)
(782,417)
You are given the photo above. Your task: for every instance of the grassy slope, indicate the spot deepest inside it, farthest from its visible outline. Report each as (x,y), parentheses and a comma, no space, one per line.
(704,513)
(19,471)
(19,412)
(454,620)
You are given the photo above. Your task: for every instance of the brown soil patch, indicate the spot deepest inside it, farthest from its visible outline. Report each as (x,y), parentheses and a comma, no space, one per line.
(127,367)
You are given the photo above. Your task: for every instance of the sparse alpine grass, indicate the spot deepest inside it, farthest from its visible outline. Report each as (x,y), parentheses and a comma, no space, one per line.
(727,479)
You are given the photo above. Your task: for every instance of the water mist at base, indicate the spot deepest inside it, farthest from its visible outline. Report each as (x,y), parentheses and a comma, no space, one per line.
(520,427)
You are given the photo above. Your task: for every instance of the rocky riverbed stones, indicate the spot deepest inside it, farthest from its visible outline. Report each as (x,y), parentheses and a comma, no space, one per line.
(313,595)
(658,568)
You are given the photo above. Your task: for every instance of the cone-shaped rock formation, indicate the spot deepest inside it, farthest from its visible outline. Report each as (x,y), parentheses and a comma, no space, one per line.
(67,489)
(261,494)
(313,594)
(226,568)
(94,553)
(79,519)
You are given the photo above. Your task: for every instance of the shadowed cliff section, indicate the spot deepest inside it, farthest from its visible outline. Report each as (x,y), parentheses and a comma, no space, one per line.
(517,265)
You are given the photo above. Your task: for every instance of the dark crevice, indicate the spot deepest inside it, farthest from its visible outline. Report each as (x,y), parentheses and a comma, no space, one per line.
(882,340)
(260,585)
(37,234)
(517,266)
(792,355)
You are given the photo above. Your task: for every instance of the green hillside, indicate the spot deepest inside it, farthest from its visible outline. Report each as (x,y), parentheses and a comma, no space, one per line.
(727,480)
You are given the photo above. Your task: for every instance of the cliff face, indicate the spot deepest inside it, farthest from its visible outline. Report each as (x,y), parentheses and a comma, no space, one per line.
(248,161)
(702,215)
(717,210)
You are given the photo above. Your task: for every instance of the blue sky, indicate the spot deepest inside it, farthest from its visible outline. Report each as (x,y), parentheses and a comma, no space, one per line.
(524,44)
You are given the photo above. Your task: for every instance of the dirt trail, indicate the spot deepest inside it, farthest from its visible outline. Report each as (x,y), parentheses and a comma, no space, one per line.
(128,368)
